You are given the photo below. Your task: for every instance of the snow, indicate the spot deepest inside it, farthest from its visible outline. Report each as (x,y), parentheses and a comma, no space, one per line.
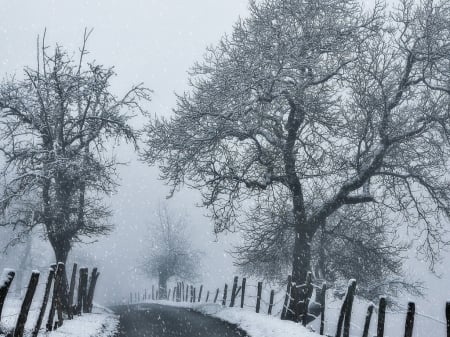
(100,323)
(5,276)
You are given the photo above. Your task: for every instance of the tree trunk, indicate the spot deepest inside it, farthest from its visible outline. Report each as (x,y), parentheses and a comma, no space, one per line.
(301,257)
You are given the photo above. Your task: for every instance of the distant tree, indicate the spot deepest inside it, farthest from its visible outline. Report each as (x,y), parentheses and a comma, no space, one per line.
(57,125)
(324,107)
(168,252)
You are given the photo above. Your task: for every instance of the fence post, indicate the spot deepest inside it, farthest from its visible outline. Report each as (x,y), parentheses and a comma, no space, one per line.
(168,295)
(60,297)
(25,308)
(82,284)
(244,281)
(381,316)
(224,298)
(207,296)
(447,315)
(367,322)
(153,292)
(71,292)
(306,294)
(194,297)
(200,293)
(409,324)
(323,295)
(341,316)
(286,298)
(8,277)
(217,294)
(55,295)
(37,327)
(233,291)
(272,294)
(92,284)
(348,310)
(258,297)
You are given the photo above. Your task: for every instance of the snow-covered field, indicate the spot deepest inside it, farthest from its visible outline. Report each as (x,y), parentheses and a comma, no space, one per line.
(100,323)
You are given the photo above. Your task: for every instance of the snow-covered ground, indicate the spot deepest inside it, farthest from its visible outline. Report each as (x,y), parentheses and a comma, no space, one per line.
(100,323)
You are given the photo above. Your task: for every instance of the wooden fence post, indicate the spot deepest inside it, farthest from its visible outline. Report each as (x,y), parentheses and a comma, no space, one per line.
(217,294)
(62,292)
(233,291)
(258,297)
(272,294)
(381,317)
(168,295)
(447,315)
(37,327)
(348,310)
(71,291)
(82,285)
(153,292)
(55,296)
(306,295)
(244,281)
(224,298)
(323,296)
(207,296)
(409,324)
(200,293)
(287,297)
(91,291)
(194,297)
(341,317)
(367,322)
(7,277)
(25,308)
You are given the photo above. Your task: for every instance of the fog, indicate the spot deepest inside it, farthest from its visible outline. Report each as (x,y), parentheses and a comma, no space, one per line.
(154,42)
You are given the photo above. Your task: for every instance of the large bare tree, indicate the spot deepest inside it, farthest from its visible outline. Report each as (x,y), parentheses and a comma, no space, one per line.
(58,124)
(324,107)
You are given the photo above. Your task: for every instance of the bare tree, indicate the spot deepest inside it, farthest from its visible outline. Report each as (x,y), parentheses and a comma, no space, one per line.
(57,125)
(168,252)
(324,106)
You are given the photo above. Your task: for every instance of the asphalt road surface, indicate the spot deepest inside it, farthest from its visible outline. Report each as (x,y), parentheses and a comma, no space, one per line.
(154,320)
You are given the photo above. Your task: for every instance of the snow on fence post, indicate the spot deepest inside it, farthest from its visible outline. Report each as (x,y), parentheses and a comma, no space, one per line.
(244,281)
(323,296)
(272,294)
(367,322)
(409,324)
(48,286)
(90,295)
(447,315)
(71,291)
(5,282)
(348,310)
(258,297)
(200,293)
(233,291)
(217,294)
(381,317)
(207,296)
(26,304)
(287,297)
(224,298)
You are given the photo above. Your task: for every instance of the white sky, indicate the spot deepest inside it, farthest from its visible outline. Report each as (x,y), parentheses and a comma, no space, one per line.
(150,41)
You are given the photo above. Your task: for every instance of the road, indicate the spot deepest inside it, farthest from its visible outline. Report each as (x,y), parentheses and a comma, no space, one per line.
(154,320)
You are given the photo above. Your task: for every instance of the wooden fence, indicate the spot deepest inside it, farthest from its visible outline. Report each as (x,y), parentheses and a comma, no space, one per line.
(302,303)
(56,292)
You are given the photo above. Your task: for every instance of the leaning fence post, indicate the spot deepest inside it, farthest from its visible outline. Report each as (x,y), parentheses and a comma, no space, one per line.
(25,308)
(272,294)
(37,327)
(409,324)
(71,291)
(323,295)
(7,277)
(217,294)
(348,310)
(224,299)
(55,296)
(200,293)
(367,322)
(92,284)
(341,316)
(244,280)
(381,316)
(207,296)
(286,298)
(258,297)
(233,291)
(447,315)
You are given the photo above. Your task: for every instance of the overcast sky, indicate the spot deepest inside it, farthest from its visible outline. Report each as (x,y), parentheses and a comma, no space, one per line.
(151,41)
